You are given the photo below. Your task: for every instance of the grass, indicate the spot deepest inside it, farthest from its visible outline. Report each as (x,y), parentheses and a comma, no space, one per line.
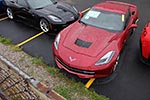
(5,40)
(38,61)
(76,91)
(52,70)
(8,41)
(14,48)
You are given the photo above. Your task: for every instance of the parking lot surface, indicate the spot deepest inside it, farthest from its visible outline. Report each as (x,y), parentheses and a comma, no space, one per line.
(130,82)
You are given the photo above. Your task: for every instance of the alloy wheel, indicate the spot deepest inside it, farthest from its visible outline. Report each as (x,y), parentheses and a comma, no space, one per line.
(44,25)
(10,13)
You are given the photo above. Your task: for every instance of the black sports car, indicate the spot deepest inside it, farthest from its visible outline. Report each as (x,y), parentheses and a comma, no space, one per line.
(48,14)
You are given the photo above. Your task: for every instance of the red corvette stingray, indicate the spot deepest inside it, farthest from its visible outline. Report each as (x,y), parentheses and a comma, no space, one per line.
(91,46)
(144,44)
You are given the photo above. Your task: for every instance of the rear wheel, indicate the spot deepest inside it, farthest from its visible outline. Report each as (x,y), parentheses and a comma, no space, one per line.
(10,13)
(44,25)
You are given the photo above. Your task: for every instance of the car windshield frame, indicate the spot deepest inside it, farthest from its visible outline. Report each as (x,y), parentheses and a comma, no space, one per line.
(38,4)
(104,19)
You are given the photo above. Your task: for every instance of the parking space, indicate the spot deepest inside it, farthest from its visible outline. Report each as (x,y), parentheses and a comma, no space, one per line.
(130,82)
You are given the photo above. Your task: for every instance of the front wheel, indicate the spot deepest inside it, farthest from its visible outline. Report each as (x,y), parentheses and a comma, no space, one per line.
(10,13)
(44,25)
(116,63)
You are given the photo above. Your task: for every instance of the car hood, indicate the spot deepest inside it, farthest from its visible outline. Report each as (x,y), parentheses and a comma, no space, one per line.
(98,39)
(61,10)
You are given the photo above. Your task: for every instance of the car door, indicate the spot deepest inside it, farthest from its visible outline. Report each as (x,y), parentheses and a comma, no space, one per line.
(24,12)
(128,21)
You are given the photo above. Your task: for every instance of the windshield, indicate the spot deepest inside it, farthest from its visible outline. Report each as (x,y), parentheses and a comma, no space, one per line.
(36,4)
(104,19)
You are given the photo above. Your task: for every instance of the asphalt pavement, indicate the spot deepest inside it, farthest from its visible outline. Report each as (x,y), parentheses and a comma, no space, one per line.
(132,79)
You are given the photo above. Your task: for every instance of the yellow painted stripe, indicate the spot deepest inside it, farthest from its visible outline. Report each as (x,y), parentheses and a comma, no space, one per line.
(85,10)
(3,18)
(22,43)
(89,83)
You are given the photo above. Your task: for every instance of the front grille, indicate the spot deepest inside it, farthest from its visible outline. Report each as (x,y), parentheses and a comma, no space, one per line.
(75,69)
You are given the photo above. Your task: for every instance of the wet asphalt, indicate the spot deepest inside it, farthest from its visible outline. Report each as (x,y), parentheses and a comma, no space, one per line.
(131,81)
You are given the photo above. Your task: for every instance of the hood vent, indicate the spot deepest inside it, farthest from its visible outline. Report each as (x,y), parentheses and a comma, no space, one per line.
(82,43)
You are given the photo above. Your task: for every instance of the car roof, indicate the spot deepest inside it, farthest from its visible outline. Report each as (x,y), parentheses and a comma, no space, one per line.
(113,7)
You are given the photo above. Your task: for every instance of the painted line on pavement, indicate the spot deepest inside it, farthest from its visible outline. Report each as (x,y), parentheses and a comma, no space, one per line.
(89,83)
(31,38)
(85,10)
(2,19)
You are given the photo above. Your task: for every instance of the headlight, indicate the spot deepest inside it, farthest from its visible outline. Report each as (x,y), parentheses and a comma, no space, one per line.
(56,42)
(105,59)
(54,18)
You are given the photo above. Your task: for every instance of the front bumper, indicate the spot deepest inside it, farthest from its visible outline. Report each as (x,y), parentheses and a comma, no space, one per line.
(83,70)
(83,73)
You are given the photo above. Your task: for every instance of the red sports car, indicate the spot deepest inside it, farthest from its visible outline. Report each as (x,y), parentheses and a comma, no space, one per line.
(144,44)
(91,46)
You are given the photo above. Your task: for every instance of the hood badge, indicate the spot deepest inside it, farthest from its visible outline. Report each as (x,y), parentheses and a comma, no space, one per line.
(72,59)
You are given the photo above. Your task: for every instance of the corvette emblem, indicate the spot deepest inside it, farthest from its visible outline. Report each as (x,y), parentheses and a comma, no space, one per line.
(72,59)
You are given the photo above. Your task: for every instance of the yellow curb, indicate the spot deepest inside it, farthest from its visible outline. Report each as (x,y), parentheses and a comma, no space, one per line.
(85,10)
(89,83)
(22,43)
(2,19)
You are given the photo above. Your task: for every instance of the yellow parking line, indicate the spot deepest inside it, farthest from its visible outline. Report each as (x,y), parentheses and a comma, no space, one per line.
(89,83)
(85,10)
(3,18)
(22,43)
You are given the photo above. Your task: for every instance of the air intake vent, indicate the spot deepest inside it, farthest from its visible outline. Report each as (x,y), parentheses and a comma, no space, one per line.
(82,43)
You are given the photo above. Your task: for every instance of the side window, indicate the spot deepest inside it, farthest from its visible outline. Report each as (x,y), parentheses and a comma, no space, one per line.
(22,3)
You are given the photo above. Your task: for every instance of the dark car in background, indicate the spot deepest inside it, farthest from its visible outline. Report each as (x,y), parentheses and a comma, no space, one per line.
(1,6)
(47,14)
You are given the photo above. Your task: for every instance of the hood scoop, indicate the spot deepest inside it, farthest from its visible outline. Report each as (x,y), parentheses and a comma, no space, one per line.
(82,43)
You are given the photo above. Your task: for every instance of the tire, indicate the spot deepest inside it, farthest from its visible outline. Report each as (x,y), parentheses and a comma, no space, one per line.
(116,63)
(44,25)
(10,13)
